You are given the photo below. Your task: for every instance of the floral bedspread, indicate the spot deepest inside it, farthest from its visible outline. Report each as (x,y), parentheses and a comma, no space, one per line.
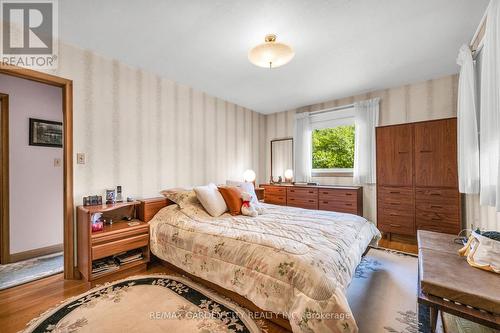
(291,261)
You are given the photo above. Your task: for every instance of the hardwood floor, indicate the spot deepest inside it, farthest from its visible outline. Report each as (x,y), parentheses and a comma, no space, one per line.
(401,243)
(20,304)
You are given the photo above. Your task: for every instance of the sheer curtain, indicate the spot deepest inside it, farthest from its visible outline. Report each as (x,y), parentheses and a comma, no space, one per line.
(490,109)
(366,116)
(302,144)
(468,146)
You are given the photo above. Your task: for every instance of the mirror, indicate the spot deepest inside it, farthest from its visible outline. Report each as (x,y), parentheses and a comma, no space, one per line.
(281,157)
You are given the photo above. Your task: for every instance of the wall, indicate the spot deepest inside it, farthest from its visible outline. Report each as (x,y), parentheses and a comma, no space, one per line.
(148,133)
(36,185)
(420,101)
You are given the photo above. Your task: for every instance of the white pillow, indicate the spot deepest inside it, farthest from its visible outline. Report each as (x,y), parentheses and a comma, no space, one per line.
(244,186)
(211,199)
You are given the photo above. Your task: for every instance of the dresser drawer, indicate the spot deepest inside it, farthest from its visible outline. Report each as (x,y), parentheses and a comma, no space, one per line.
(400,198)
(111,248)
(397,222)
(338,206)
(302,193)
(276,190)
(439,222)
(451,210)
(311,203)
(437,195)
(275,199)
(397,226)
(98,238)
(338,195)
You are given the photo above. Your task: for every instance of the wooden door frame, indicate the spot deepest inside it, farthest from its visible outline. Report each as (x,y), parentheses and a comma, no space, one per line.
(4,180)
(70,272)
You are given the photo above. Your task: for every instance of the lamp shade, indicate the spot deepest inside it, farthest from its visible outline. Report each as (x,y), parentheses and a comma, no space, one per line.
(249,176)
(288,174)
(270,54)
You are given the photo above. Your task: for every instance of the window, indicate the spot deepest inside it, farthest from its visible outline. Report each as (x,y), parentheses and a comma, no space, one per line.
(333,148)
(333,143)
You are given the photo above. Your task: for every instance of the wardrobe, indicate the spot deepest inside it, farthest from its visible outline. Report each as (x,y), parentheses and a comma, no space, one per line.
(417,177)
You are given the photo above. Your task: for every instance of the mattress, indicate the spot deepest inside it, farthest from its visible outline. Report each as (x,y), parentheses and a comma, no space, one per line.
(291,261)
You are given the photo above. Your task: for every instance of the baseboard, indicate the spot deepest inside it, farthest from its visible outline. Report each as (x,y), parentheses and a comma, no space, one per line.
(15,257)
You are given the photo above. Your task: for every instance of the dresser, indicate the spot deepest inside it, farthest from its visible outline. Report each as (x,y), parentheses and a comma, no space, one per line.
(342,199)
(417,181)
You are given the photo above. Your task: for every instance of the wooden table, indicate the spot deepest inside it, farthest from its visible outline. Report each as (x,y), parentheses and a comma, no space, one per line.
(446,282)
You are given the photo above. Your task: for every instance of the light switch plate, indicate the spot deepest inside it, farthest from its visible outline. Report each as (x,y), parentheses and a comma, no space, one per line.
(80,158)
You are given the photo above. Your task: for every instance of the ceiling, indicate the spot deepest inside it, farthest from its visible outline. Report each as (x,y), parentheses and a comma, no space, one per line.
(343,47)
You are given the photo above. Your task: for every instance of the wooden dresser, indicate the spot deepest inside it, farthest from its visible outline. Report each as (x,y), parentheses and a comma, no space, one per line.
(417,181)
(342,199)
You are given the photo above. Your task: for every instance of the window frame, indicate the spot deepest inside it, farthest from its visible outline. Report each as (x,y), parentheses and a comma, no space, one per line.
(331,120)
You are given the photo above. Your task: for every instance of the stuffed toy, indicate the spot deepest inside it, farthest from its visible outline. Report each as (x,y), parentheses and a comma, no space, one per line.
(248,208)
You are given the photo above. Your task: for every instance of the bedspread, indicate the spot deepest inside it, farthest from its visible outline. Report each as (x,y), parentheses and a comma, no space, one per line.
(292,261)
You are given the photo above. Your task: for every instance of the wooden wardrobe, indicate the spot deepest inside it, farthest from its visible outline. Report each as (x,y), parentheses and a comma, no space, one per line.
(417,180)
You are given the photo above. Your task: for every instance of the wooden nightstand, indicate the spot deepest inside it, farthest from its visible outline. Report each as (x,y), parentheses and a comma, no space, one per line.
(114,239)
(259,191)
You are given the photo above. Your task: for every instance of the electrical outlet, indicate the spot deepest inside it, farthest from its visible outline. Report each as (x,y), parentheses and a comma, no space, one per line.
(57,162)
(80,158)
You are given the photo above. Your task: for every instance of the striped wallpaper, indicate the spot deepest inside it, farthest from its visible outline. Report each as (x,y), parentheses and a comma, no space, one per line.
(148,133)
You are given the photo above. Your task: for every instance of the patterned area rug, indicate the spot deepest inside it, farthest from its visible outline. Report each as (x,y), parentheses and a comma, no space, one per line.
(383,294)
(148,303)
(29,270)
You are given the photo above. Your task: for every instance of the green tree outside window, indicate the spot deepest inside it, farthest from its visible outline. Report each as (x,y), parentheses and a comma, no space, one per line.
(333,148)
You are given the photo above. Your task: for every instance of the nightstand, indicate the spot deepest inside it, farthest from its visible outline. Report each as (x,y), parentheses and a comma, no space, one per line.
(259,191)
(115,239)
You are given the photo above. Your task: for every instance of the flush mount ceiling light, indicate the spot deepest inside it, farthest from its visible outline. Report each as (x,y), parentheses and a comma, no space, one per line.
(270,54)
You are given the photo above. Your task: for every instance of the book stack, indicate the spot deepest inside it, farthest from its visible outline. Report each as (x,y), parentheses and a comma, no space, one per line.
(104,265)
(128,257)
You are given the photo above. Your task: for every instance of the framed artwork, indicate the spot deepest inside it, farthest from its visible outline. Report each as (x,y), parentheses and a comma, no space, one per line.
(46,133)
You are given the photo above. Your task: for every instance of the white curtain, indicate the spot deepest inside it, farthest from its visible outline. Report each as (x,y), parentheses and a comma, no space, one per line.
(302,144)
(468,145)
(490,109)
(366,116)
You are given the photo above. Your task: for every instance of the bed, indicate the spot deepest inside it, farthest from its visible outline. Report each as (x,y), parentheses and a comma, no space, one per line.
(290,261)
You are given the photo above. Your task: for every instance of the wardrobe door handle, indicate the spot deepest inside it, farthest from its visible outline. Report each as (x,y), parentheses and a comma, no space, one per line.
(394,192)
(426,151)
(348,194)
(395,203)
(312,192)
(435,194)
(311,200)
(395,225)
(403,152)
(348,204)
(393,214)
(436,206)
(325,202)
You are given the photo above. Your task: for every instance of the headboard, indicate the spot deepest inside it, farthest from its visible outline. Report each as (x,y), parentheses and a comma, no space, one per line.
(149,207)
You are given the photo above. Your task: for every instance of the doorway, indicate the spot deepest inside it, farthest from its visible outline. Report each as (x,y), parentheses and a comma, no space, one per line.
(67,165)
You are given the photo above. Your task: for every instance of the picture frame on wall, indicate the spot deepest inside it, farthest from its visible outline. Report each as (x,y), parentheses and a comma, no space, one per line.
(45,133)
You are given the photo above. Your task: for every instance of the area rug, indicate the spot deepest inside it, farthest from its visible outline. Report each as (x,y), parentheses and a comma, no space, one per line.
(29,270)
(148,303)
(383,293)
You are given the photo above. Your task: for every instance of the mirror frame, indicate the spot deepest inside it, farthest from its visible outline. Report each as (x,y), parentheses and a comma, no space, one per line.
(277,140)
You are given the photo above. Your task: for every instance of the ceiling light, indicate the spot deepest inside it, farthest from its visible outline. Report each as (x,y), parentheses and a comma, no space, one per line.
(270,54)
